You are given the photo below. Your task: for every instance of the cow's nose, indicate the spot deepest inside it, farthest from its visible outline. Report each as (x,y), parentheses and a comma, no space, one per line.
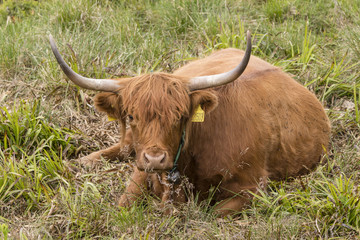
(155,160)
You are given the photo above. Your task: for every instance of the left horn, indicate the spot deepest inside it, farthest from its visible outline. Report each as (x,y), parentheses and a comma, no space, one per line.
(197,83)
(106,85)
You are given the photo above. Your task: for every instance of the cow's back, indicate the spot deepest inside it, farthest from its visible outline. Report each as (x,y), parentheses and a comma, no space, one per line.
(222,61)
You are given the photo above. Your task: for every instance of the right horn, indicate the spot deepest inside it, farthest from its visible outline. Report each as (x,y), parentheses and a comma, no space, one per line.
(202,82)
(106,85)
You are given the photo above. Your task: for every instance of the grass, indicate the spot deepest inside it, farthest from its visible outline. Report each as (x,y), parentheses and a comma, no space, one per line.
(46,123)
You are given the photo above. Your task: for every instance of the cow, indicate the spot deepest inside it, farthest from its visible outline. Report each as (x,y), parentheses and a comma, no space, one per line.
(230,121)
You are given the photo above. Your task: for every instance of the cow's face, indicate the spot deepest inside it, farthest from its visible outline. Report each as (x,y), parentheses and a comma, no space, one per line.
(158,107)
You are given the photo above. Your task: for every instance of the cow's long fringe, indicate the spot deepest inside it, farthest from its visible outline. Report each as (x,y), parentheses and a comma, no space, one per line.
(156,98)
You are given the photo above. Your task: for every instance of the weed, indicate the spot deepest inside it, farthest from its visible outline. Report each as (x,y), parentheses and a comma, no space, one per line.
(31,154)
(24,129)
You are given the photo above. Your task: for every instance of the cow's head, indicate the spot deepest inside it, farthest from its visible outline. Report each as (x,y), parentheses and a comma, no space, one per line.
(158,106)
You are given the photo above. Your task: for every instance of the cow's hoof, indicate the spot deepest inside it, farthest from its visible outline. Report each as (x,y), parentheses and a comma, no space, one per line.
(126,201)
(92,160)
(167,208)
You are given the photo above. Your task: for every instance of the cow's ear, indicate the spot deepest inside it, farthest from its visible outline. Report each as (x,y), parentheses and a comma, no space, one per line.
(110,103)
(206,99)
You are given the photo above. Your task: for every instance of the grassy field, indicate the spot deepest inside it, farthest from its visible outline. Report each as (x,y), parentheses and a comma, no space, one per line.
(46,123)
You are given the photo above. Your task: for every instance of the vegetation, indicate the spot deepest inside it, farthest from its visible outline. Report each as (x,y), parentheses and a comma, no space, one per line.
(47,122)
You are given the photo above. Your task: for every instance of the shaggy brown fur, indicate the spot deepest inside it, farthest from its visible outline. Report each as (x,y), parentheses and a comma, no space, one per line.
(263,125)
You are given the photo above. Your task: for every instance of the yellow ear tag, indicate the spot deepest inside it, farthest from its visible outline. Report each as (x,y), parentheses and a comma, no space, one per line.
(111,118)
(199,115)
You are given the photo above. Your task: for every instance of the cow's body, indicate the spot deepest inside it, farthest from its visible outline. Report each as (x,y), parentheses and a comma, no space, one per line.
(264,125)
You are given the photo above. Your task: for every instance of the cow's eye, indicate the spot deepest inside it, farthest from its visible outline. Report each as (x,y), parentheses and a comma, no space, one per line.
(130,118)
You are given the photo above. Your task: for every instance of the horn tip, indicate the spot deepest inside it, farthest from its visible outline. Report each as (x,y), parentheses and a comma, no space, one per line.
(248,35)
(52,42)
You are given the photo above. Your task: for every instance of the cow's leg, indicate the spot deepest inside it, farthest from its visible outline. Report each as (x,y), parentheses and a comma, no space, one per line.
(155,183)
(231,205)
(135,188)
(166,189)
(169,193)
(238,196)
(118,151)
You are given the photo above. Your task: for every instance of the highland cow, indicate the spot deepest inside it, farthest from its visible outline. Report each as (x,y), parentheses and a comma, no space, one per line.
(213,122)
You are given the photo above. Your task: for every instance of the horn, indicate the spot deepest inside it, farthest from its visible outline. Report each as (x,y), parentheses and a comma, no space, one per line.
(106,85)
(197,83)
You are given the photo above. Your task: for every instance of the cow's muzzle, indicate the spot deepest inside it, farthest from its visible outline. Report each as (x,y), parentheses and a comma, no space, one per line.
(155,161)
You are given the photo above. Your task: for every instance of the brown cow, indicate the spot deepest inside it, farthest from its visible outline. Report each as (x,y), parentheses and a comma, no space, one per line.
(257,126)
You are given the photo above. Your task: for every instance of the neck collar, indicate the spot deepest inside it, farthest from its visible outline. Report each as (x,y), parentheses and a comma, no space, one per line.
(174,175)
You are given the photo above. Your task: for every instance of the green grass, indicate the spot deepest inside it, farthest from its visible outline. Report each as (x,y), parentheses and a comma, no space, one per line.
(47,122)
(31,152)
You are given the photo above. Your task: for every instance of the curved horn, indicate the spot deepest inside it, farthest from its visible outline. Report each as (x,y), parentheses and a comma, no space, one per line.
(106,85)
(197,83)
